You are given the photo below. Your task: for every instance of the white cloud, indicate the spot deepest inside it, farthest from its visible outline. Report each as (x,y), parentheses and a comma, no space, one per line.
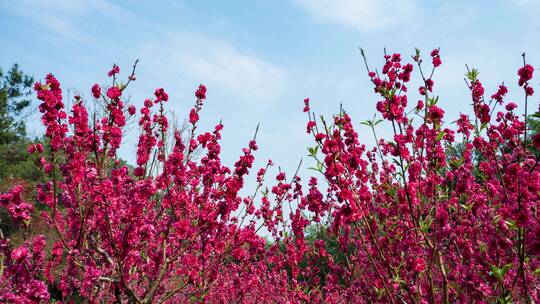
(222,65)
(363,15)
(63,18)
(174,53)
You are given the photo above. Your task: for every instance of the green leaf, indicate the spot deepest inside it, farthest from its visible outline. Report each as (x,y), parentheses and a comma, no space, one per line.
(440,136)
(366,123)
(504,299)
(433,101)
(318,169)
(425,224)
(313,150)
(398,279)
(466,207)
(500,272)
(472,75)
(121,86)
(483,247)
(483,126)
(512,225)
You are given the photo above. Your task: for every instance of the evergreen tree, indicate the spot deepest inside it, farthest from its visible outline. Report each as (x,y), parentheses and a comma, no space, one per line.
(15,91)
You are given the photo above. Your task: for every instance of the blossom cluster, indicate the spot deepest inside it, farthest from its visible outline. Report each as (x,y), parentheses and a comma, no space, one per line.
(433,214)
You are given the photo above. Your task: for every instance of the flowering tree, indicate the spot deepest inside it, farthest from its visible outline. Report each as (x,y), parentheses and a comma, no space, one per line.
(421,218)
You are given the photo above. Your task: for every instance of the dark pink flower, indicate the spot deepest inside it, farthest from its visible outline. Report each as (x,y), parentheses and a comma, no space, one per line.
(529,90)
(115,70)
(435,113)
(161,95)
(193,116)
(511,106)
(436,58)
(114,93)
(501,92)
(306,105)
(201,92)
(132,110)
(525,74)
(19,255)
(96,91)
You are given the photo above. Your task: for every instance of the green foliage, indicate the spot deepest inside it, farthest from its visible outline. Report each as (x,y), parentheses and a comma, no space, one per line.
(533,124)
(15,90)
(16,163)
(472,74)
(15,94)
(499,273)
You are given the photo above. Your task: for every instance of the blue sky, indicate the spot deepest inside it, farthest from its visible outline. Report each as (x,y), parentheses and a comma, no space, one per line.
(260,58)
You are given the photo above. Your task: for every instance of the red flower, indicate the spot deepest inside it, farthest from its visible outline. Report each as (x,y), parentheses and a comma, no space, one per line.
(161,95)
(138,171)
(529,90)
(306,105)
(131,110)
(435,113)
(525,74)
(201,92)
(420,105)
(501,92)
(436,58)
(510,106)
(419,265)
(96,91)
(193,116)
(20,254)
(115,70)
(114,93)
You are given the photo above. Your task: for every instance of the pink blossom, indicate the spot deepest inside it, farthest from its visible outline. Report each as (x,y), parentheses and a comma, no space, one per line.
(96,91)
(115,70)
(114,93)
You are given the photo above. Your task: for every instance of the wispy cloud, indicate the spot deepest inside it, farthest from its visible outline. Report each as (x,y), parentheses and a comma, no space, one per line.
(245,88)
(363,15)
(239,73)
(173,52)
(63,19)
